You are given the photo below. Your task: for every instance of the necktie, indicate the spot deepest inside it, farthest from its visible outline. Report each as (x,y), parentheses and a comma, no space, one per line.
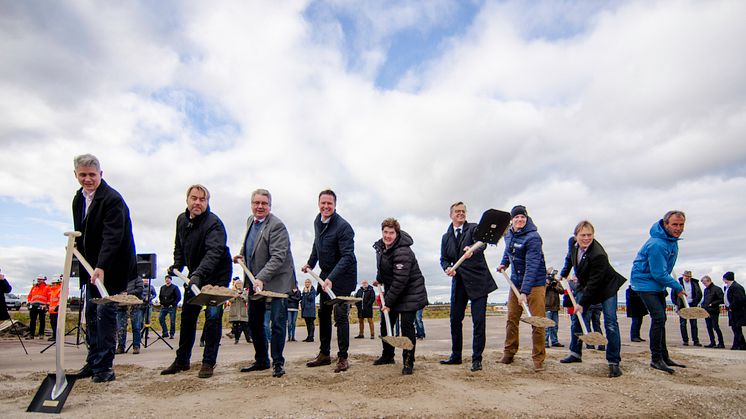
(458,233)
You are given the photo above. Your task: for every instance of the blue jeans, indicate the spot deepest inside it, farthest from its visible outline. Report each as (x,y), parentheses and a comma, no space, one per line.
(552,331)
(101,326)
(614,346)
(267,329)
(655,302)
(171,312)
(292,317)
(135,313)
(419,325)
(278,313)
(212,331)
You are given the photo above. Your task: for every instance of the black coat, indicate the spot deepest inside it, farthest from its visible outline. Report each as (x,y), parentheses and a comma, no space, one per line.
(334,250)
(635,306)
(294,299)
(106,241)
(400,273)
(737,308)
(597,280)
(169,295)
(4,289)
(200,244)
(365,307)
(474,272)
(696,294)
(713,299)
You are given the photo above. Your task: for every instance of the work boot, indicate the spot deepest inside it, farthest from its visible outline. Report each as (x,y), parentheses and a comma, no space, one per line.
(174,368)
(538,366)
(135,350)
(384,361)
(342,365)
(120,350)
(320,360)
(408,363)
(614,371)
(104,376)
(506,359)
(206,371)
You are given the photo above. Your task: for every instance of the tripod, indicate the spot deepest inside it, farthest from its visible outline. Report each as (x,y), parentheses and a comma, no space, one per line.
(76,329)
(14,330)
(146,328)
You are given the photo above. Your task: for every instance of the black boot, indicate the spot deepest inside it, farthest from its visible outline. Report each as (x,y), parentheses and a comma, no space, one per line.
(408,362)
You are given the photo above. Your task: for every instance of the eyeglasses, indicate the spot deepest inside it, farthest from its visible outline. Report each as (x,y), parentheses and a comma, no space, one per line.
(260,203)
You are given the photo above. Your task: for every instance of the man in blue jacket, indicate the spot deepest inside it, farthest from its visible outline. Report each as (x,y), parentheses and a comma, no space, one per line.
(334,250)
(523,250)
(651,275)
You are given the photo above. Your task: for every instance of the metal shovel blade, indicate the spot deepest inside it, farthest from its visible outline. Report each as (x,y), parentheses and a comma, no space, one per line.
(45,401)
(204,299)
(402,342)
(492,226)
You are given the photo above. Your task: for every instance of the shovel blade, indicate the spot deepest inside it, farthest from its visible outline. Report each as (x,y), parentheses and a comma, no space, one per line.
(44,401)
(343,300)
(693,313)
(204,299)
(594,338)
(537,321)
(492,226)
(402,342)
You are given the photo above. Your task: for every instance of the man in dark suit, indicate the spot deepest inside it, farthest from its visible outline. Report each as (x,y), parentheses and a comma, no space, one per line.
(712,300)
(693,296)
(472,281)
(598,282)
(200,245)
(266,251)
(334,250)
(103,219)
(735,300)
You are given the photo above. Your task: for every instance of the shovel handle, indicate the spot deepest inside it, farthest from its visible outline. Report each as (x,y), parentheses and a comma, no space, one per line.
(517,293)
(89,269)
(385,313)
(474,247)
(683,297)
(194,288)
(566,286)
(247,271)
(318,279)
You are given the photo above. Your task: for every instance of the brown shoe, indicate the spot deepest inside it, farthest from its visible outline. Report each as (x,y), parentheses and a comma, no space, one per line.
(342,365)
(506,359)
(320,360)
(135,350)
(206,371)
(175,368)
(538,366)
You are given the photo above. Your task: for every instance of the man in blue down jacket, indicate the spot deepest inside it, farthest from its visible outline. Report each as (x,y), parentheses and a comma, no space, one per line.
(651,275)
(523,250)
(472,281)
(334,250)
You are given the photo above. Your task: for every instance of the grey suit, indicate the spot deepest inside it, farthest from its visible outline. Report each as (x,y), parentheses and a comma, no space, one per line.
(271,258)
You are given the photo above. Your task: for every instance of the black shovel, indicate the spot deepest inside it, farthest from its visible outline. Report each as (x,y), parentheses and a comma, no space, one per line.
(491,227)
(53,392)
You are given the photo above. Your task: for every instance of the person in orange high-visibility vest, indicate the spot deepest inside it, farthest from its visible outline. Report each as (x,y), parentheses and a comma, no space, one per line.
(38,301)
(54,304)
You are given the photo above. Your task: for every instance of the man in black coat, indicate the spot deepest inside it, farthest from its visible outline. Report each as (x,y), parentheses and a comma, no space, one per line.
(200,245)
(711,301)
(103,219)
(169,297)
(693,296)
(365,309)
(472,281)
(334,250)
(735,300)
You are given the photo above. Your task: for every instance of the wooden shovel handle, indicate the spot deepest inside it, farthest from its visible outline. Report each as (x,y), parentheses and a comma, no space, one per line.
(516,292)
(566,286)
(194,288)
(84,263)
(385,314)
(318,279)
(247,271)
(476,246)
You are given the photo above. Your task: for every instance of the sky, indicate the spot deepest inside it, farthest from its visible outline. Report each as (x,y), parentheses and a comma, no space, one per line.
(610,111)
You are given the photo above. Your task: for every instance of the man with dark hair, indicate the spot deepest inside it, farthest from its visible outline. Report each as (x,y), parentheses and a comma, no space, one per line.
(693,297)
(266,251)
(711,301)
(334,250)
(651,275)
(169,297)
(735,301)
(200,245)
(472,281)
(365,309)
(106,242)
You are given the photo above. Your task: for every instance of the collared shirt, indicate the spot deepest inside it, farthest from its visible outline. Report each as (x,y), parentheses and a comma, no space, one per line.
(581,253)
(88,200)
(725,294)
(688,288)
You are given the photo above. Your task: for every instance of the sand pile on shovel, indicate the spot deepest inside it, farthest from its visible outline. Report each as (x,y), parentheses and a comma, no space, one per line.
(121,299)
(594,338)
(217,290)
(693,313)
(539,321)
(402,342)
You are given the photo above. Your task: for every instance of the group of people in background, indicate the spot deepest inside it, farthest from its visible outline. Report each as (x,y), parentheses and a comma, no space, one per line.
(200,245)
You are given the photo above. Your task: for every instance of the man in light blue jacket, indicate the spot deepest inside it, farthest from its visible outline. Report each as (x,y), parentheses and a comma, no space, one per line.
(651,275)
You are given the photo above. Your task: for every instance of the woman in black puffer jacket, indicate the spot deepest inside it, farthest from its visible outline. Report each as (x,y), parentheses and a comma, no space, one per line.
(404,291)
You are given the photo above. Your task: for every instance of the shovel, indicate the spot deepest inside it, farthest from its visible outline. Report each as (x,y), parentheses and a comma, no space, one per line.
(53,392)
(122,300)
(491,227)
(688,312)
(333,297)
(210,295)
(402,342)
(269,295)
(535,321)
(592,338)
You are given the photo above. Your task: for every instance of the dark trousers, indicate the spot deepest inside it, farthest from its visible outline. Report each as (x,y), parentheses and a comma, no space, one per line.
(738,340)
(713,326)
(101,331)
(35,313)
(310,326)
(459,300)
(655,302)
(634,329)
(695,330)
(407,329)
(341,321)
(239,327)
(278,314)
(53,323)
(594,318)
(212,330)
(171,312)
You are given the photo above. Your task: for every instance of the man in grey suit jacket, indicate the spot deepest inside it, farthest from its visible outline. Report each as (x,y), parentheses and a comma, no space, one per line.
(266,251)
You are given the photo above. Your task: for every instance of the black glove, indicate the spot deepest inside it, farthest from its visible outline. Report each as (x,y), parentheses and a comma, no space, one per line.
(171,270)
(195,280)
